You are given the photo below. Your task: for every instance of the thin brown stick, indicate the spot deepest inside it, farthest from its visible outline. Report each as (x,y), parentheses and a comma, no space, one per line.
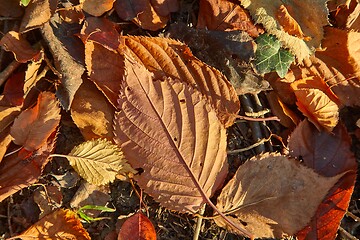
(5,74)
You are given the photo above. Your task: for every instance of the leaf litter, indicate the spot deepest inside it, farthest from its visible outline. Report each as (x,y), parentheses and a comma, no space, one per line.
(170,113)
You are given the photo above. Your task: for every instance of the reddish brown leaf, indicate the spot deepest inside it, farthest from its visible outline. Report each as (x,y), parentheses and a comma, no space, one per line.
(92,112)
(170,58)
(129,9)
(19,46)
(165,7)
(224,15)
(149,19)
(137,227)
(328,154)
(71,14)
(61,224)
(97,7)
(13,90)
(32,127)
(10,8)
(100,30)
(37,13)
(29,164)
(168,113)
(105,69)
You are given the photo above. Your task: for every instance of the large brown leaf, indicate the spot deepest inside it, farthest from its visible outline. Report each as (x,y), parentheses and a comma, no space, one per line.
(170,58)
(273,195)
(33,126)
(170,131)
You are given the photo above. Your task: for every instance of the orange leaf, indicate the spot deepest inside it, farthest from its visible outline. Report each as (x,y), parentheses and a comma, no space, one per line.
(33,126)
(61,224)
(137,227)
(170,58)
(222,15)
(171,131)
(97,7)
(328,154)
(149,19)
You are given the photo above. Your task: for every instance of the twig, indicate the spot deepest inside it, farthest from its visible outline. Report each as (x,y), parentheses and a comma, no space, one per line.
(4,75)
(258,119)
(199,223)
(9,216)
(347,234)
(353,216)
(261,141)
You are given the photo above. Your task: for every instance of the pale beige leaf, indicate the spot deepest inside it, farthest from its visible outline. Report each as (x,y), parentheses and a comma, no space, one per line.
(171,58)
(309,16)
(32,127)
(97,161)
(273,195)
(169,129)
(92,112)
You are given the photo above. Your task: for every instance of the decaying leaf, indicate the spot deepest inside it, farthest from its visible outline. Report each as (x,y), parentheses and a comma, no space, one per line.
(19,46)
(273,195)
(128,10)
(97,161)
(224,15)
(169,58)
(270,56)
(310,16)
(29,164)
(68,57)
(13,90)
(33,126)
(96,7)
(92,112)
(170,131)
(137,227)
(10,8)
(328,154)
(48,199)
(61,224)
(37,13)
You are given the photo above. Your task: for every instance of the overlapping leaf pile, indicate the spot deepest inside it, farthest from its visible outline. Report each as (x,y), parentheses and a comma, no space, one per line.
(148,103)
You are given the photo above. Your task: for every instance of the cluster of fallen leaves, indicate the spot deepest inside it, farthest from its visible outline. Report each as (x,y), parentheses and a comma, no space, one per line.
(151,111)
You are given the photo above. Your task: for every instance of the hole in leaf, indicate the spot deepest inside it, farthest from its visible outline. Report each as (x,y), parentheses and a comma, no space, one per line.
(139,170)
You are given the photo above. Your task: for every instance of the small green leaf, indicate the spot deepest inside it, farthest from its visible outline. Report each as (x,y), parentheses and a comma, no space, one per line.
(24,2)
(269,56)
(99,208)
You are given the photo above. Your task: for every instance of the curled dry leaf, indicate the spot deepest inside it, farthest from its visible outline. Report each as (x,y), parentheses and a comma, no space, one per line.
(170,131)
(68,57)
(273,195)
(96,7)
(37,13)
(328,154)
(311,16)
(170,58)
(97,161)
(60,221)
(19,46)
(92,112)
(223,15)
(33,126)
(137,227)
(29,164)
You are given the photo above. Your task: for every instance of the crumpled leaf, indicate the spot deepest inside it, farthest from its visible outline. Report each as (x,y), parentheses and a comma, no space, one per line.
(271,180)
(37,13)
(222,15)
(92,112)
(97,161)
(29,164)
(68,57)
(168,113)
(270,56)
(96,7)
(33,126)
(329,154)
(19,46)
(170,58)
(310,15)
(137,227)
(61,224)
(10,8)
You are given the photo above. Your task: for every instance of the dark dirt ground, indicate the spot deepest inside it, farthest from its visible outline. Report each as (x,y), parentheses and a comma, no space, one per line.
(20,211)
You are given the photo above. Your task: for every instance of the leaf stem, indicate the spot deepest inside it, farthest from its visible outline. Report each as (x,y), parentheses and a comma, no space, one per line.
(199,222)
